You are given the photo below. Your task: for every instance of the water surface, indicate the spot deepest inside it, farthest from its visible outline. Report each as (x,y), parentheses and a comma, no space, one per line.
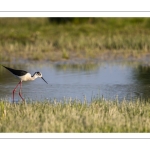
(111,80)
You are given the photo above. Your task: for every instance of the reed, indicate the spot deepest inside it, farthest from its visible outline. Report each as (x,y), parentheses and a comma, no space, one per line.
(75,116)
(38,39)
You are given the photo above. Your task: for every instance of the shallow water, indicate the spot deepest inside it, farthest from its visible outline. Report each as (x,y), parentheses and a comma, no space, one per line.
(110,80)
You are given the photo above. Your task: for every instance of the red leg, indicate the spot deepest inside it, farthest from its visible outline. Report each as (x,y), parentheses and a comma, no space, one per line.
(20,91)
(15,90)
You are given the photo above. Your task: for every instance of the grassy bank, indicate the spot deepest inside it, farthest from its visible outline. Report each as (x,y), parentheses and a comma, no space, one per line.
(74,116)
(40,39)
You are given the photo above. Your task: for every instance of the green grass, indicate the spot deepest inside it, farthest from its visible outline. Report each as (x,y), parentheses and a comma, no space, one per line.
(39,39)
(75,116)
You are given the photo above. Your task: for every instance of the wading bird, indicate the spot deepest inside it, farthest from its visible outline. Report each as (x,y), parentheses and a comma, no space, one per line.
(23,76)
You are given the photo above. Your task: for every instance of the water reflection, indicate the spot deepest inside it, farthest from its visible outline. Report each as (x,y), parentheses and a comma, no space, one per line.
(80,80)
(142,78)
(87,67)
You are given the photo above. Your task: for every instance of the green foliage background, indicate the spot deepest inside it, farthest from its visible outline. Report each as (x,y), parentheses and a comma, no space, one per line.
(69,38)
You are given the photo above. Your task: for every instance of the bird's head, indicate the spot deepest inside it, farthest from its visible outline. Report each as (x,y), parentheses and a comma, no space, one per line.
(38,75)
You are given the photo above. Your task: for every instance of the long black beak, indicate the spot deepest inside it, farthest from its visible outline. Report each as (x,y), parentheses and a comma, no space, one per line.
(44,80)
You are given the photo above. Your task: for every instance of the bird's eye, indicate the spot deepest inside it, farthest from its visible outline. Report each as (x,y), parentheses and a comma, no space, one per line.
(39,73)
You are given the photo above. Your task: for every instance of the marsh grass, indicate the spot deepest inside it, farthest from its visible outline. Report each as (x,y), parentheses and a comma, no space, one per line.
(38,39)
(75,116)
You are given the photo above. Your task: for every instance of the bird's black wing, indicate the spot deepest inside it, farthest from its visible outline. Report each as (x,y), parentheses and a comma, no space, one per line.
(16,72)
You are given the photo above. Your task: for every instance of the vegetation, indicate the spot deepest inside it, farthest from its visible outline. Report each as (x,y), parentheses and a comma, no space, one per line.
(55,39)
(75,116)
(70,38)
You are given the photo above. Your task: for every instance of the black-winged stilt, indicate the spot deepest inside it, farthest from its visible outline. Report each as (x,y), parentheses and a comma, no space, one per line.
(23,76)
